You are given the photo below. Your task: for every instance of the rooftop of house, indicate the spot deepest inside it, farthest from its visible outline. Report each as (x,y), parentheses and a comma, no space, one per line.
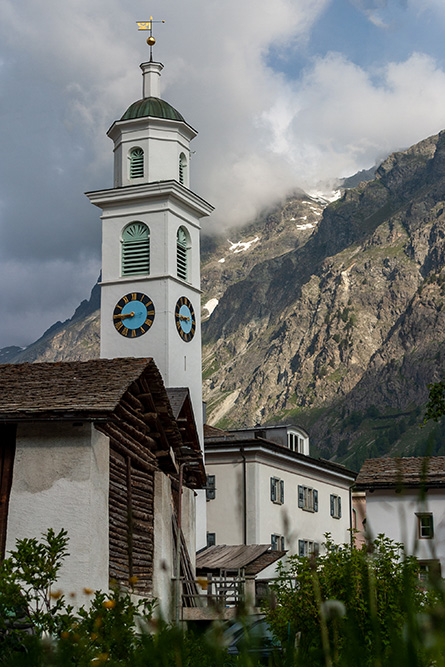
(124,397)
(94,386)
(406,472)
(252,558)
(219,443)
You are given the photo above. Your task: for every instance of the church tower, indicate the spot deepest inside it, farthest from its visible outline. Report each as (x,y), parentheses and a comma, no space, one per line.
(150,290)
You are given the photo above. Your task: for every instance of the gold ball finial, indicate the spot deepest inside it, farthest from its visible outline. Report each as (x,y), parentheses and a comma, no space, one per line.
(151,41)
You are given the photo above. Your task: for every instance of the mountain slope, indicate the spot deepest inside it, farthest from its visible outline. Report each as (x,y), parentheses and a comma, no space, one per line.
(313,334)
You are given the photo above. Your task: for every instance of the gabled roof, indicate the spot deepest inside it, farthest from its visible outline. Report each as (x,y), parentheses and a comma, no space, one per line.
(252,558)
(68,388)
(125,398)
(413,471)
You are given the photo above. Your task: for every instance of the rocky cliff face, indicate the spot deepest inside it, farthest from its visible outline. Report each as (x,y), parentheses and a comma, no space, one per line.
(331,316)
(344,332)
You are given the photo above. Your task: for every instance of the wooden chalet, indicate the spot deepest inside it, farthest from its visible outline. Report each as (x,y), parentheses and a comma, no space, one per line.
(95,447)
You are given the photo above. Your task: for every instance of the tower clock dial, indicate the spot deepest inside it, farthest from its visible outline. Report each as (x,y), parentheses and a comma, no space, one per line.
(133,315)
(185,319)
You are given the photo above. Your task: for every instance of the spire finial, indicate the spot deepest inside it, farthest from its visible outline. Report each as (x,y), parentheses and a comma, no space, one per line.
(148,25)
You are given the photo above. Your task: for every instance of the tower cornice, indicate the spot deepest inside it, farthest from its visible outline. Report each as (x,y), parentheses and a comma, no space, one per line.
(160,189)
(144,122)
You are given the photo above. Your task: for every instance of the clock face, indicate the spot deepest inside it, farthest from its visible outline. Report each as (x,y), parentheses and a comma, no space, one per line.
(185,319)
(133,315)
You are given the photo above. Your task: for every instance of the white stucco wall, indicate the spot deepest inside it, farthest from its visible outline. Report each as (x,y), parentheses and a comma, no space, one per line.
(264,517)
(60,480)
(164,569)
(163,566)
(394,514)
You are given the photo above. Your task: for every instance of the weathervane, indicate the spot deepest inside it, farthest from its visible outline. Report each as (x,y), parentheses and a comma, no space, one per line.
(148,25)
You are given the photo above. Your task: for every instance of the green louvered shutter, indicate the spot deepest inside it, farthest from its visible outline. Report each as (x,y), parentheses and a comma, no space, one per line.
(181,254)
(136,249)
(136,163)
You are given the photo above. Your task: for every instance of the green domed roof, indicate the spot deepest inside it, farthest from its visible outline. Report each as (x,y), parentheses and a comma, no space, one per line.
(152,106)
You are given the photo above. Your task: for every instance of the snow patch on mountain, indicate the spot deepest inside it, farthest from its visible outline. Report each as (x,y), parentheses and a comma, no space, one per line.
(211,305)
(242,246)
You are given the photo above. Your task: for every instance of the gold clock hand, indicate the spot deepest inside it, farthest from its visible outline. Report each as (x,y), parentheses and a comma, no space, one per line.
(183,318)
(123,315)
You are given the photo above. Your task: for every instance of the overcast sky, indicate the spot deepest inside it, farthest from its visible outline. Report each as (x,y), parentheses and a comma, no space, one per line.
(284,93)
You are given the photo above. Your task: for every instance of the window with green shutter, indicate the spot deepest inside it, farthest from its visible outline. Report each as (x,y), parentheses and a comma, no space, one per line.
(182,168)
(136,249)
(136,163)
(182,253)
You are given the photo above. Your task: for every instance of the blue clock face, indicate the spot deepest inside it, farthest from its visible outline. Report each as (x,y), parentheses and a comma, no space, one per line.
(133,315)
(185,319)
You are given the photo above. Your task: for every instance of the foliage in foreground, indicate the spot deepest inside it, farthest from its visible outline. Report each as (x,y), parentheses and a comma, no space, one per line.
(364,606)
(346,608)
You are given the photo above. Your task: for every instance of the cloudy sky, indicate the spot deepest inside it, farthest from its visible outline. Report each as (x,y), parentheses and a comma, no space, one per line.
(284,93)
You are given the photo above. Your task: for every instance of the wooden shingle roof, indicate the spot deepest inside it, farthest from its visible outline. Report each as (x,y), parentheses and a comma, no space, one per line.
(251,558)
(410,471)
(95,386)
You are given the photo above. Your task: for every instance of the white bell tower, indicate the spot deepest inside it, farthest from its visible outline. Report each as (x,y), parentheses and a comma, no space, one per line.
(150,290)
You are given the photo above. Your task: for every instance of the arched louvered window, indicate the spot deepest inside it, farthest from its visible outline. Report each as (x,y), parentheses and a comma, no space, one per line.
(182,169)
(136,163)
(182,253)
(135,249)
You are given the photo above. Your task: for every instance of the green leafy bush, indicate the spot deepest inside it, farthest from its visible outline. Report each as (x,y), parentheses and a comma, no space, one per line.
(354,606)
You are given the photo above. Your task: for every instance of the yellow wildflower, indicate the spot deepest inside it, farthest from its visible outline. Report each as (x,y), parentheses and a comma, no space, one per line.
(109,604)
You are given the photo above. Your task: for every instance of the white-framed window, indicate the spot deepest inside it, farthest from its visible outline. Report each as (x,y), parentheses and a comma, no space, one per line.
(277,542)
(136,162)
(135,249)
(211,487)
(308,548)
(182,169)
(211,539)
(335,506)
(295,442)
(425,525)
(429,569)
(277,490)
(182,253)
(307,498)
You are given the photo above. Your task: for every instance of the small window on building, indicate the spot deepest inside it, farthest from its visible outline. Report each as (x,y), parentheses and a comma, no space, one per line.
(136,163)
(182,169)
(277,542)
(335,506)
(211,487)
(425,526)
(211,539)
(277,490)
(295,443)
(136,249)
(308,548)
(308,498)
(182,253)
(429,570)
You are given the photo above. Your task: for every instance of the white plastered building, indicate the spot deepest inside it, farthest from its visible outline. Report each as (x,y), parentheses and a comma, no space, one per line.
(405,500)
(264,487)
